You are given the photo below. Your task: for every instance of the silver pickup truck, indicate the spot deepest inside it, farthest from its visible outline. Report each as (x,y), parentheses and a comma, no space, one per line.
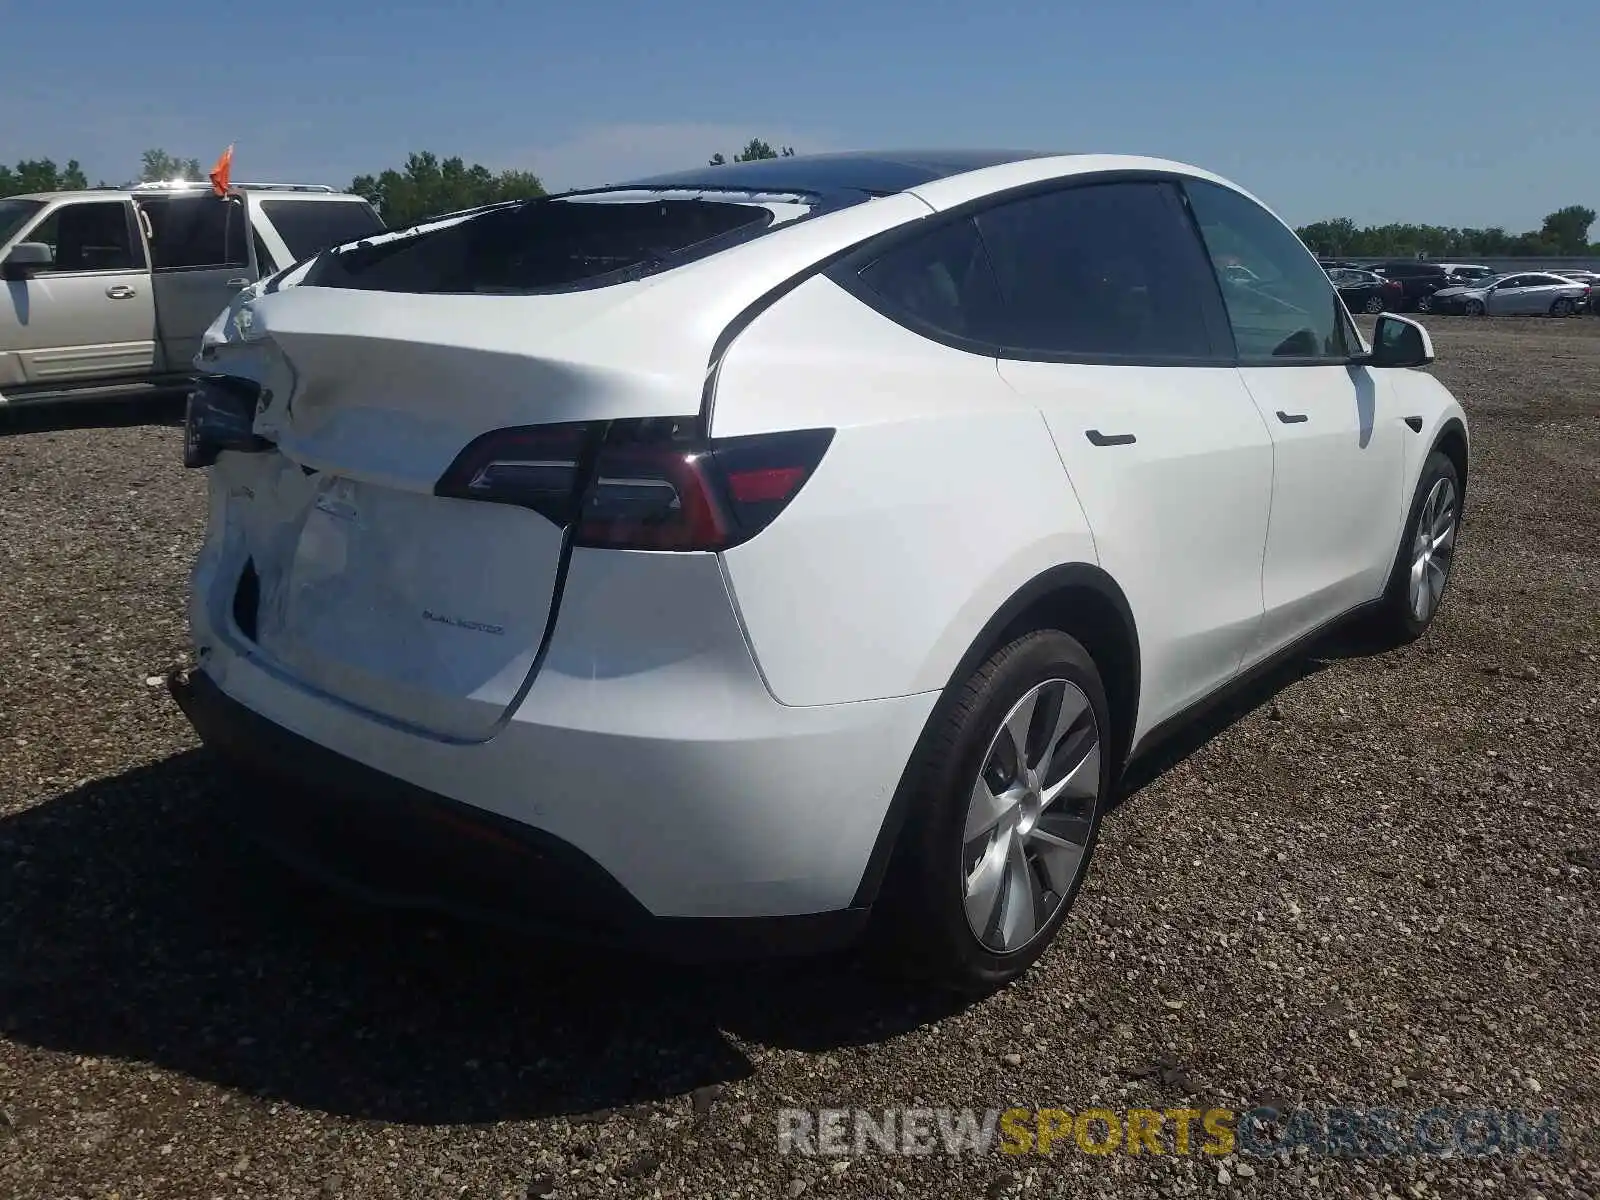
(107,292)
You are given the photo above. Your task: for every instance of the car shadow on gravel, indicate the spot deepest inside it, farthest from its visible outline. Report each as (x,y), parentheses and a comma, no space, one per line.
(133,925)
(1347,642)
(89,414)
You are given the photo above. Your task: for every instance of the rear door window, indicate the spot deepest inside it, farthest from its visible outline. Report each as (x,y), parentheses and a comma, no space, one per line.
(1106,272)
(940,283)
(548,245)
(308,227)
(197,232)
(1103,271)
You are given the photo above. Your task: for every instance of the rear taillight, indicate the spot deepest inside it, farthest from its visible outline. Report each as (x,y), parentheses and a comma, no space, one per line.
(535,466)
(653,484)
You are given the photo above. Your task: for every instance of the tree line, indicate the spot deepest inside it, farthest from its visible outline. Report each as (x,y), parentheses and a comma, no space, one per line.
(43,175)
(423,186)
(1564,232)
(426,185)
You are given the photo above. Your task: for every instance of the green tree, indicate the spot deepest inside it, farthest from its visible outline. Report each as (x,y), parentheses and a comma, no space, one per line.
(429,187)
(1568,229)
(1332,237)
(157,166)
(754,150)
(1565,232)
(41,175)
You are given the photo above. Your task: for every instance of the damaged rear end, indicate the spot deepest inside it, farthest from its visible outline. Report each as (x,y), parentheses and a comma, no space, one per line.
(407,441)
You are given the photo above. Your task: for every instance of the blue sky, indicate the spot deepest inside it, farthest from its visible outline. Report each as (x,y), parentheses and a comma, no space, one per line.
(1376,111)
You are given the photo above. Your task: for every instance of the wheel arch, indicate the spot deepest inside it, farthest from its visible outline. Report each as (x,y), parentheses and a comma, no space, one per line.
(1079,599)
(1451,441)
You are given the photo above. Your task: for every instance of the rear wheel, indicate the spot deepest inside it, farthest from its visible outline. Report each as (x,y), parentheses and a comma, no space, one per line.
(1473,308)
(1427,554)
(1562,308)
(1009,789)
(1374,304)
(1425,302)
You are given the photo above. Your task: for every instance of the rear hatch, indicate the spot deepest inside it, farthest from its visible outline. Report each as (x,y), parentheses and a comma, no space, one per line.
(383,369)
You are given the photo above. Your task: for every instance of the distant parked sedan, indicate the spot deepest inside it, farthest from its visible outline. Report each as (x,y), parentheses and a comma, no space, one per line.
(1419,280)
(1591,279)
(1508,295)
(1366,291)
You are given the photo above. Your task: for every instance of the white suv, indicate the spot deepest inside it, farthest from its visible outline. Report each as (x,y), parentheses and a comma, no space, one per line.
(757,557)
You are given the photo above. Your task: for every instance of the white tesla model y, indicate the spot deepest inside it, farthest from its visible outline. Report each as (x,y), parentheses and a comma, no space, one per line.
(758,557)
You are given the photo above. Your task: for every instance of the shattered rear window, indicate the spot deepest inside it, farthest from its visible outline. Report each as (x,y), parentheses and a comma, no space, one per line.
(551,244)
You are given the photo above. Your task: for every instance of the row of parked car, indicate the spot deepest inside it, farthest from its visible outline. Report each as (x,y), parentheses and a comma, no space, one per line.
(1468,288)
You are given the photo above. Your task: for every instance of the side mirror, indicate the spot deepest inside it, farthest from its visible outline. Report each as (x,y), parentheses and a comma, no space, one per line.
(26,258)
(1398,342)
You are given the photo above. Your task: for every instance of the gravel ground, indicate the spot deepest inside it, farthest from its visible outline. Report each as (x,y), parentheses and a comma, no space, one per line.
(1373,884)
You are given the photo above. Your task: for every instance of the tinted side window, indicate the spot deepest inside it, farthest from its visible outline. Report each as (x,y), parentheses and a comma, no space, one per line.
(1289,309)
(942,281)
(1100,271)
(309,226)
(197,231)
(92,236)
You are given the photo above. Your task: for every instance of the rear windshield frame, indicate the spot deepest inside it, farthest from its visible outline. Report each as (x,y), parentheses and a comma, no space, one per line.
(333,268)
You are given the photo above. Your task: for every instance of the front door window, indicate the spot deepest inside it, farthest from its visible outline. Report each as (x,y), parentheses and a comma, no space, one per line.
(90,235)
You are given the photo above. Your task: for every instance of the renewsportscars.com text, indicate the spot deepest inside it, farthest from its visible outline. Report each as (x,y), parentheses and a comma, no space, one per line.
(1262,1130)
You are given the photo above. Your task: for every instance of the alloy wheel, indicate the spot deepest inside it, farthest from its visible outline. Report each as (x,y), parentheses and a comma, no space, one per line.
(1031,815)
(1374,304)
(1425,303)
(1433,549)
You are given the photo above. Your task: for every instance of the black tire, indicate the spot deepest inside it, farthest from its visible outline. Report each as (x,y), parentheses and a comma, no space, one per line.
(1473,308)
(1425,302)
(920,922)
(1562,308)
(1397,620)
(1374,305)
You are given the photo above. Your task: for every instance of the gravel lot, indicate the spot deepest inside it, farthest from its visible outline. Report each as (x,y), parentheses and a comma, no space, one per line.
(1373,884)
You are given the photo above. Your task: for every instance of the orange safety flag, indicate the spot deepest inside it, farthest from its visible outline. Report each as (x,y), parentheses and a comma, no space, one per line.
(220,172)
